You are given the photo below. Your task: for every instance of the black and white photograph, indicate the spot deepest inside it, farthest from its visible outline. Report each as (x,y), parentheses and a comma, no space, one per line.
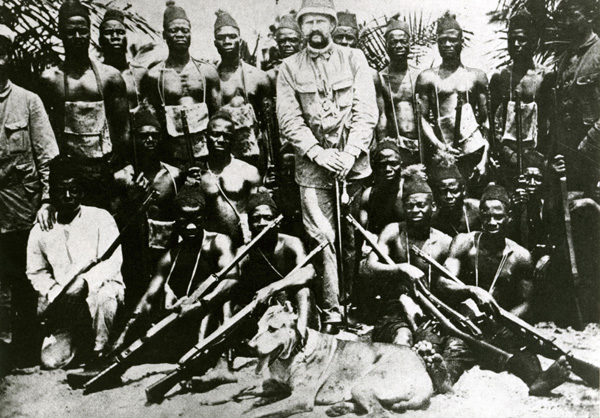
(299,208)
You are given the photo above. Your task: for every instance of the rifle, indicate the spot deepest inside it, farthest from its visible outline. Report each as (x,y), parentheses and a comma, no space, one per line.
(87,266)
(270,130)
(524,216)
(340,188)
(465,322)
(571,250)
(188,138)
(494,154)
(156,392)
(418,115)
(519,128)
(457,121)
(587,371)
(124,359)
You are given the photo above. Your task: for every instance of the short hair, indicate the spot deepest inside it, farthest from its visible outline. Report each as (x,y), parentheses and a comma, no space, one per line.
(192,197)
(221,114)
(62,168)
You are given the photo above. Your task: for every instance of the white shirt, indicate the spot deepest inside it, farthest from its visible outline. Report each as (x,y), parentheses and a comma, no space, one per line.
(54,256)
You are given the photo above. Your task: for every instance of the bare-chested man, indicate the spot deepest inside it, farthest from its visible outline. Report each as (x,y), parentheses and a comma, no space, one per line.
(263,271)
(199,253)
(456,214)
(227,182)
(496,272)
(346,31)
(245,91)
(440,89)
(87,103)
(523,77)
(395,86)
(144,245)
(400,315)
(182,85)
(113,43)
(380,204)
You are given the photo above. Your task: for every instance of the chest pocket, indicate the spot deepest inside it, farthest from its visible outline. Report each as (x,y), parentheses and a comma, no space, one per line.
(342,90)
(17,137)
(306,92)
(588,93)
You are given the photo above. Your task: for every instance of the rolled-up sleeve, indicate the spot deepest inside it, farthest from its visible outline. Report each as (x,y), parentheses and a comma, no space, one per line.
(364,106)
(43,141)
(289,114)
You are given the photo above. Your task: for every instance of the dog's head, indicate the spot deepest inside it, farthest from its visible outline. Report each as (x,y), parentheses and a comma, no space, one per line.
(277,334)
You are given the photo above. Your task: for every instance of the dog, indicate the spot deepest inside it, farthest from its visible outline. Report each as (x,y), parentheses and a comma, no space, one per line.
(351,376)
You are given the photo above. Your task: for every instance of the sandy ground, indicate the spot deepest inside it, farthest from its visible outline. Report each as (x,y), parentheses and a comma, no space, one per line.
(478,393)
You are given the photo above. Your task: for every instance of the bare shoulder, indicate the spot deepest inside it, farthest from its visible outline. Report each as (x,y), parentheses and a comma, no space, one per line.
(110,74)
(441,237)
(427,77)
(51,77)
(472,204)
(462,243)
(209,70)
(243,169)
(124,176)
(479,75)
(389,232)
(520,254)
(219,242)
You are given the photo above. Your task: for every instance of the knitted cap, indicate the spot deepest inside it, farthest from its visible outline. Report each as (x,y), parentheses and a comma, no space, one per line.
(259,199)
(414,185)
(447,22)
(7,33)
(72,8)
(444,167)
(533,158)
(224,19)
(173,12)
(395,24)
(386,144)
(495,192)
(323,7)
(289,22)
(145,116)
(347,19)
(113,14)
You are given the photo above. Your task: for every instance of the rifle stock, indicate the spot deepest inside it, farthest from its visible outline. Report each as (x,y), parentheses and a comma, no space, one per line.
(418,117)
(188,138)
(457,121)
(587,371)
(156,392)
(123,360)
(464,321)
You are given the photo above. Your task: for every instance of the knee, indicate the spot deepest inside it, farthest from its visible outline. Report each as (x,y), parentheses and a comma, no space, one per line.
(403,337)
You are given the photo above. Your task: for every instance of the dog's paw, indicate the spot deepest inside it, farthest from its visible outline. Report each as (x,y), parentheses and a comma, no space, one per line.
(340,409)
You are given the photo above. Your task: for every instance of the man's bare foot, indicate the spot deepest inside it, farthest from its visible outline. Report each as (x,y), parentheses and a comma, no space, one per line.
(436,366)
(553,376)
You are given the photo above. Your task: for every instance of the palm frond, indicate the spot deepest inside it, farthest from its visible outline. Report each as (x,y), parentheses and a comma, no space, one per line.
(38,46)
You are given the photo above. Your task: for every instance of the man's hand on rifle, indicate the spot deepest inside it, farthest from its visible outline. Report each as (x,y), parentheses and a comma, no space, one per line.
(77,287)
(139,188)
(479,171)
(484,301)
(450,149)
(46,216)
(188,306)
(347,161)
(263,295)
(412,273)
(558,165)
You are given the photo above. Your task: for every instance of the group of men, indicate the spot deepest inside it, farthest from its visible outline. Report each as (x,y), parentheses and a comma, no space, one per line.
(470,172)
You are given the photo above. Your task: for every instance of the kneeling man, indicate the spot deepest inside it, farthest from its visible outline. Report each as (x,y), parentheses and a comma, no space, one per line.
(79,310)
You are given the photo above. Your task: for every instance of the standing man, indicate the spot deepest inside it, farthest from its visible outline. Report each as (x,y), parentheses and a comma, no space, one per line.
(441,90)
(113,43)
(27,144)
(346,31)
(327,109)
(576,132)
(247,95)
(395,86)
(288,37)
(522,77)
(79,309)
(180,85)
(88,107)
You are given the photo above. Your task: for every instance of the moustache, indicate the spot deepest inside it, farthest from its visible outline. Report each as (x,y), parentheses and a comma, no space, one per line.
(316,32)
